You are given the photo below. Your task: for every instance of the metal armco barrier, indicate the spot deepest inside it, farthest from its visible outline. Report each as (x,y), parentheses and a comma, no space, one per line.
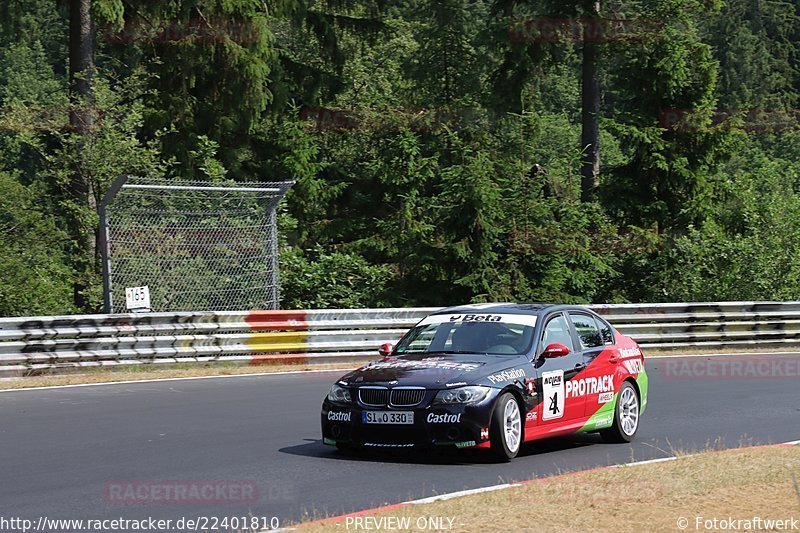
(329,336)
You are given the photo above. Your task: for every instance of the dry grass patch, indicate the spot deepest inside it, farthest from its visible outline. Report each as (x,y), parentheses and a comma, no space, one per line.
(742,483)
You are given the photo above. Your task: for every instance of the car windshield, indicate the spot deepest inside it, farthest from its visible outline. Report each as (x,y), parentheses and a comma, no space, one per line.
(489,338)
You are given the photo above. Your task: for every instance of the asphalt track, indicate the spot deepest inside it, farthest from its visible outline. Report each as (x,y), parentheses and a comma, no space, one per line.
(61,448)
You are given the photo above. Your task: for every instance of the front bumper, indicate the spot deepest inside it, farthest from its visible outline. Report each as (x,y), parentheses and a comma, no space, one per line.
(462,426)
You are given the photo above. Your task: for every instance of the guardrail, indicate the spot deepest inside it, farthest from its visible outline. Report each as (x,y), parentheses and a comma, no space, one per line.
(29,345)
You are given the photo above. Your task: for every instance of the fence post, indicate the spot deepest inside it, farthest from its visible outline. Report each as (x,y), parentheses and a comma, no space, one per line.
(105,253)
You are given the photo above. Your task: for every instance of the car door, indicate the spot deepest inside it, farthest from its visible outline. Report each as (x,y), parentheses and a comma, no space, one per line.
(553,374)
(595,382)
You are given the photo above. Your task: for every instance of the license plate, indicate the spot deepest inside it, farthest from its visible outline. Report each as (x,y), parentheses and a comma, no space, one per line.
(387,417)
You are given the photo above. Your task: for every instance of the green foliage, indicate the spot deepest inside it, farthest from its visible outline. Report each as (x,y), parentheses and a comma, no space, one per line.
(332,280)
(757,46)
(749,249)
(35,279)
(436,153)
(665,178)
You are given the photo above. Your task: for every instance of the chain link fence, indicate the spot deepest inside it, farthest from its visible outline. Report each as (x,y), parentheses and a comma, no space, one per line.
(198,246)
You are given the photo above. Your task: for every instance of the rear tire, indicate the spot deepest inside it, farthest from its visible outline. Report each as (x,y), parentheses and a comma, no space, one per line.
(505,430)
(626,416)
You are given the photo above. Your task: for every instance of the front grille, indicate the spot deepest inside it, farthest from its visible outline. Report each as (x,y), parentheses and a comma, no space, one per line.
(399,397)
(406,397)
(373,396)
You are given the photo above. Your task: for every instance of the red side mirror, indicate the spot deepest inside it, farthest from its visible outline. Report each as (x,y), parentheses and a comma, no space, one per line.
(386,349)
(555,350)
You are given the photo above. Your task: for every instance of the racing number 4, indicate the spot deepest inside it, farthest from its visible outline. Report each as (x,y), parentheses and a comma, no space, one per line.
(554,410)
(553,391)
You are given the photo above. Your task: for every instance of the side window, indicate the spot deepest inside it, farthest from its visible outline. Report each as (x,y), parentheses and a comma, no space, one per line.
(557,331)
(606,333)
(587,330)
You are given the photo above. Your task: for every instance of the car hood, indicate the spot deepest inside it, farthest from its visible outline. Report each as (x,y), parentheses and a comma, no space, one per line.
(429,371)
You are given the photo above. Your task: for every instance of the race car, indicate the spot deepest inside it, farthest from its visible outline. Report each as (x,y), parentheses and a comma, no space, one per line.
(492,376)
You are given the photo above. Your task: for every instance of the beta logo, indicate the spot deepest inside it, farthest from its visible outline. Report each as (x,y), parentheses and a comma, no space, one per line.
(445,418)
(334,416)
(581,387)
(476,318)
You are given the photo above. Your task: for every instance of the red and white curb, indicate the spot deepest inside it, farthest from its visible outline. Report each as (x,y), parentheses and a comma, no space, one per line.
(335,520)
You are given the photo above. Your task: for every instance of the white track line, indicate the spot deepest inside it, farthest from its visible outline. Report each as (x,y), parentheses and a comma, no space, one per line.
(451,495)
(648,462)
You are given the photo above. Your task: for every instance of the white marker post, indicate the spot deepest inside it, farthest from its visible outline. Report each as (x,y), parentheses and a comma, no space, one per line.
(137,299)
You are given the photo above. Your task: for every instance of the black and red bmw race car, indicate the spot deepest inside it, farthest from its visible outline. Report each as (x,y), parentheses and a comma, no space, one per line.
(492,376)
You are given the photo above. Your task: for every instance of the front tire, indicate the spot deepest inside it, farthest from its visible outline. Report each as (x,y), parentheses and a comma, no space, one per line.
(505,431)
(626,416)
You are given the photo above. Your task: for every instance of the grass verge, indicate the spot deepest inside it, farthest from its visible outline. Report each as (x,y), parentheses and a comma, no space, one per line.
(739,484)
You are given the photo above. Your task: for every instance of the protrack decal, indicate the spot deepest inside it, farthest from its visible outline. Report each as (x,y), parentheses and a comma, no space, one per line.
(553,390)
(591,386)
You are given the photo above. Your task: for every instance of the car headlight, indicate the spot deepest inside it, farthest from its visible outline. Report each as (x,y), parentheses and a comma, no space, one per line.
(471,394)
(339,394)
